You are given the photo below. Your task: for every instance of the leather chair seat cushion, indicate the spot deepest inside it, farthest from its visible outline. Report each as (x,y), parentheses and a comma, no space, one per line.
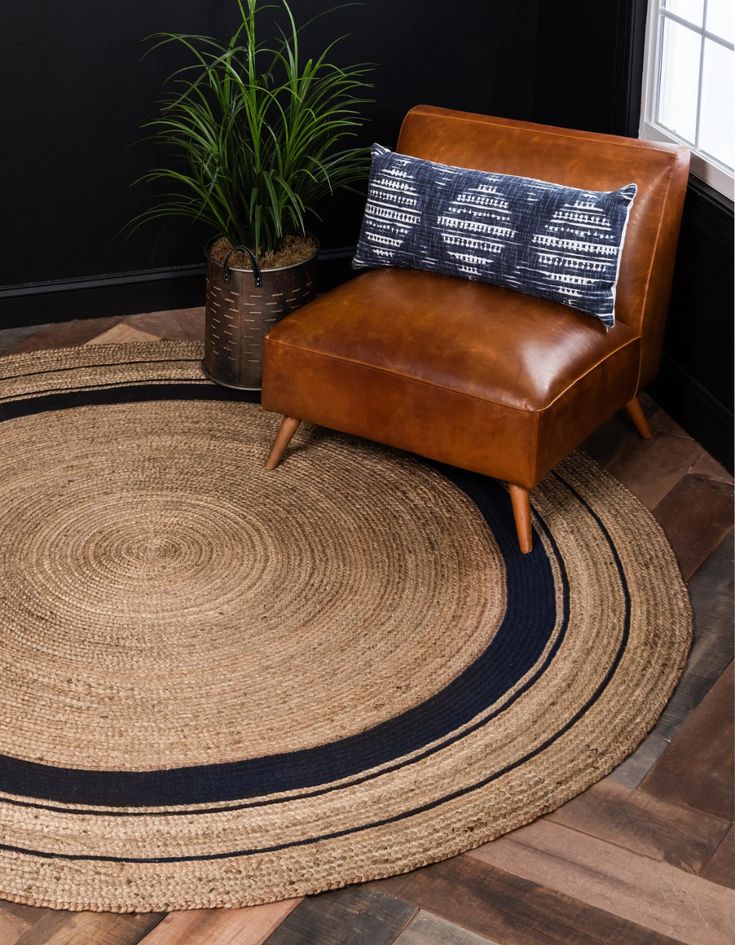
(450,368)
(480,340)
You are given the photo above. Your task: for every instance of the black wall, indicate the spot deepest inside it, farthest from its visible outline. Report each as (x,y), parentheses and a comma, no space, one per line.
(75,92)
(588,75)
(695,382)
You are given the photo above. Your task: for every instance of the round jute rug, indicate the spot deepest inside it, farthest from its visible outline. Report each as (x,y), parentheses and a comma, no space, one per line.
(221,686)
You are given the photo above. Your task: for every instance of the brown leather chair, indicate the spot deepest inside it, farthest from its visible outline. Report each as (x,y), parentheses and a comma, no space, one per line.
(477,376)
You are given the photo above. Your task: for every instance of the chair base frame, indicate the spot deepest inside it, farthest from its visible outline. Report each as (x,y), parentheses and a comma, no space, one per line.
(640,422)
(520,497)
(289,425)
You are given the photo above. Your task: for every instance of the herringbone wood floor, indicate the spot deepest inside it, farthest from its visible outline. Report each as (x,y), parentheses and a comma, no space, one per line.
(645,857)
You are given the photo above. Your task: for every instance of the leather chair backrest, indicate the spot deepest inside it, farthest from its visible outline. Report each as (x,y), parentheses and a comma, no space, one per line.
(587,160)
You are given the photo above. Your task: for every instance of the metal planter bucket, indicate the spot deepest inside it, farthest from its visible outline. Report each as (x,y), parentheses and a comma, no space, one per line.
(242,305)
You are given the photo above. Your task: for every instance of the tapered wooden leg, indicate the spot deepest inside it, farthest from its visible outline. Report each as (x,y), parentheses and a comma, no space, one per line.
(521,502)
(635,412)
(289,425)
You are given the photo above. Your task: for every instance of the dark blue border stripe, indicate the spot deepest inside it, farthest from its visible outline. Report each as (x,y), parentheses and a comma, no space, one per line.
(529,620)
(328,789)
(463,792)
(123,393)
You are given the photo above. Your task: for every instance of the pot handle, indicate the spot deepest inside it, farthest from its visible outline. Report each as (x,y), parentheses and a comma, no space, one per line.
(248,252)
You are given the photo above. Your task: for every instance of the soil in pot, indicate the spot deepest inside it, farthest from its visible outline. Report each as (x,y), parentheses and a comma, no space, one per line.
(293,250)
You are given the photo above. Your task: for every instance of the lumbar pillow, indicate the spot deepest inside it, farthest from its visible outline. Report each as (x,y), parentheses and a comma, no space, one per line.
(540,238)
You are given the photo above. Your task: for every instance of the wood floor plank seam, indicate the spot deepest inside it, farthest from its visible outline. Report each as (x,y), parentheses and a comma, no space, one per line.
(503,906)
(668,900)
(635,821)
(371,916)
(705,740)
(721,844)
(250,926)
(428,929)
(720,868)
(400,931)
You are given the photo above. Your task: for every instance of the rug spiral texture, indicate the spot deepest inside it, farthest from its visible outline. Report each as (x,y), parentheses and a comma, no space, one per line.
(221,686)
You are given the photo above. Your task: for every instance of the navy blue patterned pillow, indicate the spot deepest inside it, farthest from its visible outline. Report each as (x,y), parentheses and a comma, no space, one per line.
(540,238)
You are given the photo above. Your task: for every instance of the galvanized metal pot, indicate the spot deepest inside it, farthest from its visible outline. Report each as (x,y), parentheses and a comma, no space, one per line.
(242,305)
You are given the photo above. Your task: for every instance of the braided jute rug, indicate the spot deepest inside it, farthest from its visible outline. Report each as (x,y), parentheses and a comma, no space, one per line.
(221,686)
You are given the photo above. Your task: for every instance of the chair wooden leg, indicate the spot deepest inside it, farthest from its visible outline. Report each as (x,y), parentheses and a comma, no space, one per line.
(635,412)
(521,502)
(289,425)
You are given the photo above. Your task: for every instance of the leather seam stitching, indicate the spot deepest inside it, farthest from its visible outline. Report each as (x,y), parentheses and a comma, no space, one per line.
(452,390)
(536,427)
(589,370)
(644,302)
(609,139)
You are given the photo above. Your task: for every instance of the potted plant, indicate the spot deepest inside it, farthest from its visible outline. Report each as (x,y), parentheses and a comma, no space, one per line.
(259,136)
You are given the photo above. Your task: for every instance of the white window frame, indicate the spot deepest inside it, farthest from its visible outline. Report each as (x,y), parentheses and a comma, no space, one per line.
(703,166)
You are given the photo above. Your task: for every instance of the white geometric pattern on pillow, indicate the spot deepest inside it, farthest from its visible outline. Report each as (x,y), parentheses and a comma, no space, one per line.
(539,238)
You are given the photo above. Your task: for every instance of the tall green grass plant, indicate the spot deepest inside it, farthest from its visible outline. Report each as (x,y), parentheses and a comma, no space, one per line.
(261,135)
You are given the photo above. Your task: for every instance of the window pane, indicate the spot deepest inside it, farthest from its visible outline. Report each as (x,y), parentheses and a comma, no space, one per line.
(691,10)
(677,96)
(716,125)
(721,19)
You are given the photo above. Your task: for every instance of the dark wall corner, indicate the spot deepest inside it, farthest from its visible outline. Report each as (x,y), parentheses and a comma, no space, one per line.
(69,158)
(695,383)
(589,63)
(589,74)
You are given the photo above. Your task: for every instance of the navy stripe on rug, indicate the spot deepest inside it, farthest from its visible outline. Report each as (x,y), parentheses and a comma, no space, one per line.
(516,648)
(462,792)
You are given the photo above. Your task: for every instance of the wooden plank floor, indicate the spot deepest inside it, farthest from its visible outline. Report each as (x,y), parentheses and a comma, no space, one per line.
(645,857)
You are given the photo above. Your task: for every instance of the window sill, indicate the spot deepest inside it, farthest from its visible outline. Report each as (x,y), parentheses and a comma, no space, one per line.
(712,174)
